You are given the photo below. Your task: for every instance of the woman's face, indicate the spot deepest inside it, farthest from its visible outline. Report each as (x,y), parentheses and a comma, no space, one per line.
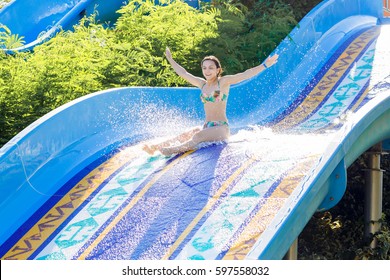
(210,70)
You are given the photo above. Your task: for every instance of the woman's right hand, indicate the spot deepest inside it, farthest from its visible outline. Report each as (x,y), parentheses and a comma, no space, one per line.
(168,53)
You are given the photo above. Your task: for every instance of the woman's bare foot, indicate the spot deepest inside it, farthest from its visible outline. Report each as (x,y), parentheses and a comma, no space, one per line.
(150,149)
(167,151)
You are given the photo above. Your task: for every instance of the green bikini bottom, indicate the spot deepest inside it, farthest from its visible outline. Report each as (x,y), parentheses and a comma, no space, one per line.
(214,123)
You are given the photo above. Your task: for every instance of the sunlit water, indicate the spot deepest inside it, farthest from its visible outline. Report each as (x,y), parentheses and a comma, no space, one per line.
(381,66)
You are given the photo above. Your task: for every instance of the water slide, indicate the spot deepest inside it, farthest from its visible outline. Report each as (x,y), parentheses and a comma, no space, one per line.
(76,184)
(38,21)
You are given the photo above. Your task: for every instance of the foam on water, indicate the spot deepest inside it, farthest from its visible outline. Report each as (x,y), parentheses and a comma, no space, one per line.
(264,144)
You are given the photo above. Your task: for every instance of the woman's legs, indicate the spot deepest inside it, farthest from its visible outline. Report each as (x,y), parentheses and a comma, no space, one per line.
(184,137)
(217,133)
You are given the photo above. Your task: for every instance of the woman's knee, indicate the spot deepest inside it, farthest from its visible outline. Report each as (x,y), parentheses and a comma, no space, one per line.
(196,129)
(211,134)
(188,134)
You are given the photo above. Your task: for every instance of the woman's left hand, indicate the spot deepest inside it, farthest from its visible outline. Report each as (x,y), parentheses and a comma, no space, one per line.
(271,60)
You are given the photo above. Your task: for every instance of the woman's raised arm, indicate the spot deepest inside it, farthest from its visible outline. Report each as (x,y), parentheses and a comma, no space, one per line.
(196,81)
(237,78)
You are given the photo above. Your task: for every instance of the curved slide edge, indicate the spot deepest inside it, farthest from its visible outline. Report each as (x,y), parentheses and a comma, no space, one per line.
(43,157)
(301,55)
(38,21)
(368,127)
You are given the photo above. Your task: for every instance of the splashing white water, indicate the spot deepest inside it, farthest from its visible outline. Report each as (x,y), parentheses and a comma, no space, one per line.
(260,142)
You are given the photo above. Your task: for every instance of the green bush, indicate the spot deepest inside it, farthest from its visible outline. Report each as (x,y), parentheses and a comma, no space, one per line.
(248,34)
(66,67)
(9,40)
(92,58)
(142,33)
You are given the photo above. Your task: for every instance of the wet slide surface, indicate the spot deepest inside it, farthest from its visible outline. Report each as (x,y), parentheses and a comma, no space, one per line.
(219,202)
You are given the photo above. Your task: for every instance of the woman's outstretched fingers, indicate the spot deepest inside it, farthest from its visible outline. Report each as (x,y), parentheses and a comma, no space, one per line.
(168,53)
(150,149)
(272,60)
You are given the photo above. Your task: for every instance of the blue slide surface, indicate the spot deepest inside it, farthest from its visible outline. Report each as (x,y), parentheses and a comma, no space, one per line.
(76,184)
(38,21)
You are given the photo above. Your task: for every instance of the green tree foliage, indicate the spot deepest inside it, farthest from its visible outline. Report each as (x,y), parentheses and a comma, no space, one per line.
(9,40)
(299,7)
(302,7)
(248,33)
(92,58)
(144,30)
(67,67)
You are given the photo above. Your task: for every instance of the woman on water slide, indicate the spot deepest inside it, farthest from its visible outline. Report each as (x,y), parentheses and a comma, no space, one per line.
(214,95)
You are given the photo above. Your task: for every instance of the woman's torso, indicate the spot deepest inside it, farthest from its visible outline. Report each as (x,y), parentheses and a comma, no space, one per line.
(215,99)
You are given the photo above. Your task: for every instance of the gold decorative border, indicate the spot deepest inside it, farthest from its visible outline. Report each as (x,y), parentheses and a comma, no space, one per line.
(328,81)
(259,222)
(129,206)
(70,202)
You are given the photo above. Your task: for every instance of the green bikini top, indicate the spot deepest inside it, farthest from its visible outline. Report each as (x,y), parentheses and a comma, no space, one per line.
(214,97)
